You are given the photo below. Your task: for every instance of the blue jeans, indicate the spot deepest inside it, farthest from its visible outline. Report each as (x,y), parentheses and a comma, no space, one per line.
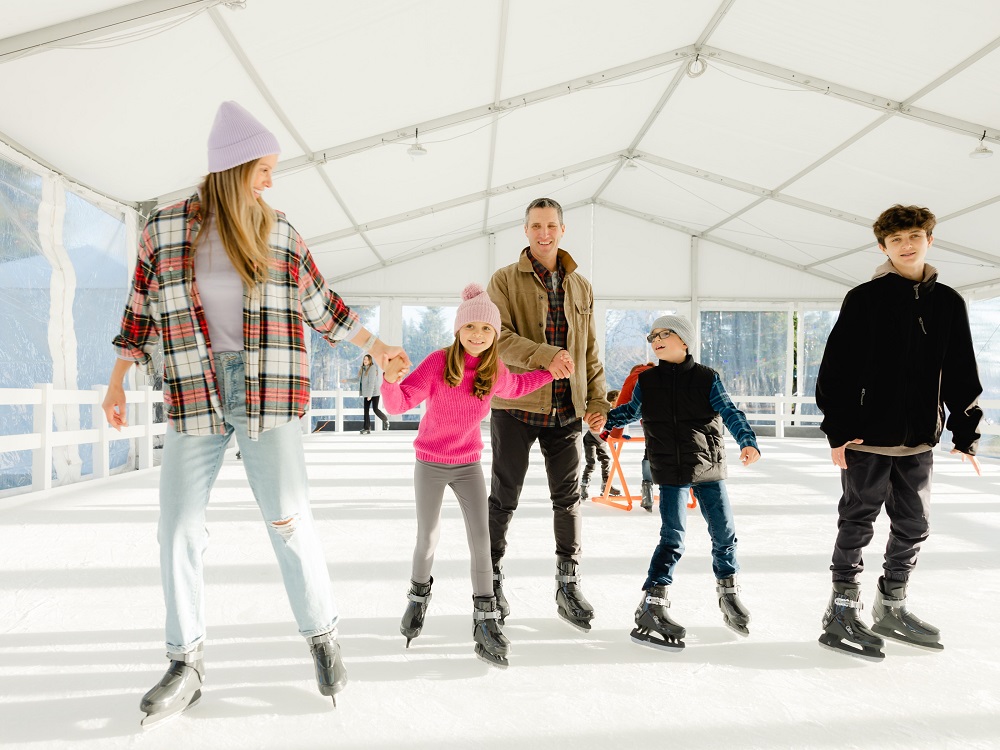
(714,504)
(275,467)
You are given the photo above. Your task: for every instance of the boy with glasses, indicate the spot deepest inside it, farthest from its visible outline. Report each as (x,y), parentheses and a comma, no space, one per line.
(683,406)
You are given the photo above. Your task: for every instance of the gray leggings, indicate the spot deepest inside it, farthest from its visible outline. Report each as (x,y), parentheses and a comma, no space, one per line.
(469,485)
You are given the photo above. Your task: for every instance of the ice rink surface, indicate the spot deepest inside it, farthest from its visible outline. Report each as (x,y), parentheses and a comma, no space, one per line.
(81,621)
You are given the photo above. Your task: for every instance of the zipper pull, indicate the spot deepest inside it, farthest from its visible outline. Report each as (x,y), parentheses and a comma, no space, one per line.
(921,321)
(862,396)
(916,291)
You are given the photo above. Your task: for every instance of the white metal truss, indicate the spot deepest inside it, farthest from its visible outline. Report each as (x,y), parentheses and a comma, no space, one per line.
(87,28)
(537,179)
(254,76)
(495,125)
(724,242)
(420,253)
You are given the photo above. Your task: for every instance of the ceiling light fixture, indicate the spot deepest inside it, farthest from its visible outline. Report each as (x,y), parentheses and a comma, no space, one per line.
(982,151)
(416,149)
(696,67)
(630,163)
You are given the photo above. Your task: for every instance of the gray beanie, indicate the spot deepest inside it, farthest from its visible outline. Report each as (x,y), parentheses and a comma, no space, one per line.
(678,324)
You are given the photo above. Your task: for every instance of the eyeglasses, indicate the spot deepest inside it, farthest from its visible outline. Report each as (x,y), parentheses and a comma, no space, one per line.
(664,334)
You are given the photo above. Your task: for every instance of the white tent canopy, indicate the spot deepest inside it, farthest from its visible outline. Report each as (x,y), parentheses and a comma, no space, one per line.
(808,120)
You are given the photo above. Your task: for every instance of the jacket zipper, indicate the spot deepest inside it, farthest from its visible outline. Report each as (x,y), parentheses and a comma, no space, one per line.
(921,321)
(677,444)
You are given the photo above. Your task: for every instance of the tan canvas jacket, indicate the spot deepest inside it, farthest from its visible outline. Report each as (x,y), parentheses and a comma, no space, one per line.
(524,305)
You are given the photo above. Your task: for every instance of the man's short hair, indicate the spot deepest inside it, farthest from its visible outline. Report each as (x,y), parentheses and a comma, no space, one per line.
(900,218)
(543,203)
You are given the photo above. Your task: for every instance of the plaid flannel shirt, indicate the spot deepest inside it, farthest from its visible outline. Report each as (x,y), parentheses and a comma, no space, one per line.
(556,331)
(164,304)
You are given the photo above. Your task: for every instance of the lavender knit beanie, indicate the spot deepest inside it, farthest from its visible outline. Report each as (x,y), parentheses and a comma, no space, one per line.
(236,138)
(477,307)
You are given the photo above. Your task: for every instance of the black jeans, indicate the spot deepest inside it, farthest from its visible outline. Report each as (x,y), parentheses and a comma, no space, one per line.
(511,441)
(903,484)
(594,451)
(373,402)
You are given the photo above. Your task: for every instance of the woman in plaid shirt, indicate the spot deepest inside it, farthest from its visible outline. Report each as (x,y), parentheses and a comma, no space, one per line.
(226,284)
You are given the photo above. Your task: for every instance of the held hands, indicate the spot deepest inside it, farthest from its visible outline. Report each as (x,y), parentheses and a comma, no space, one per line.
(381,353)
(595,421)
(561,365)
(837,454)
(396,368)
(114,407)
(749,455)
(972,460)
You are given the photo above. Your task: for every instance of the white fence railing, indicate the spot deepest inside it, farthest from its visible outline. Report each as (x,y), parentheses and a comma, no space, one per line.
(44,400)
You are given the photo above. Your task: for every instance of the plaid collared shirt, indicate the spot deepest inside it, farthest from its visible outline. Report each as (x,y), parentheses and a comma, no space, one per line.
(556,331)
(164,304)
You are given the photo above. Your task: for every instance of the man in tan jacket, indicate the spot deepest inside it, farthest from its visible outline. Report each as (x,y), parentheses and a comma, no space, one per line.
(546,316)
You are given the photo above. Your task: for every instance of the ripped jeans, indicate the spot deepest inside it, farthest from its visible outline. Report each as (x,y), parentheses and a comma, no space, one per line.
(275,467)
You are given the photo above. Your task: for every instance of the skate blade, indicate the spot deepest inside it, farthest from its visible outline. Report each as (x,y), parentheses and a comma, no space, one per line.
(652,641)
(152,721)
(582,625)
(497,662)
(899,638)
(740,630)
(832,643)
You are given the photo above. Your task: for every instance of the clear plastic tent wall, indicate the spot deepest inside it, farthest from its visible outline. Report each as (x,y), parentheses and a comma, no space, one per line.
(64,273)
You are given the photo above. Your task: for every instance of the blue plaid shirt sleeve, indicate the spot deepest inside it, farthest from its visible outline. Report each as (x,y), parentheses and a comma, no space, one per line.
(734,419)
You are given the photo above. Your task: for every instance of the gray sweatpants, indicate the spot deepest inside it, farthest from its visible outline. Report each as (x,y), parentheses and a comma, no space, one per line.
(469,485)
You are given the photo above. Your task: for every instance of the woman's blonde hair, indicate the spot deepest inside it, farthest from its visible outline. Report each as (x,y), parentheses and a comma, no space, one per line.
(244,223)
(487,370)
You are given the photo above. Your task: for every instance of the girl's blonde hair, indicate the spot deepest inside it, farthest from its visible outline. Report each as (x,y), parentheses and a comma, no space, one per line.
(244,223)
(487,370)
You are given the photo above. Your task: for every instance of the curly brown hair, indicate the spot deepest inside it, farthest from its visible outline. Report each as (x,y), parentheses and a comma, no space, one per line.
(900,218)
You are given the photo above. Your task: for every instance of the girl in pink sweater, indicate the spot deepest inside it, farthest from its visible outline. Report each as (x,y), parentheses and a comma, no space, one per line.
(458,384)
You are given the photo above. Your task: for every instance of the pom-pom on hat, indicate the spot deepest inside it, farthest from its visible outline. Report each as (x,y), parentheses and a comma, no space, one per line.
(678,324)
(236,138)
(477,307)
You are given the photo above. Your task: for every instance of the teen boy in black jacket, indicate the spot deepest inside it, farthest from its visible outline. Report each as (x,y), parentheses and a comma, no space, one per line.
(900,352)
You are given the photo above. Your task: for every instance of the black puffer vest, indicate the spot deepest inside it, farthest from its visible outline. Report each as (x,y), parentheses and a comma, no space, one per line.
(683,431)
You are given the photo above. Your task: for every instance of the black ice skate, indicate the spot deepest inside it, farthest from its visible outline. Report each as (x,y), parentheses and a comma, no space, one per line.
(177,691)
(734,613)
(653,626)
(843,630)
(570,602)
(331,674)
(416,609)
(647,496)
(893,619)
(492,645)
(502,603)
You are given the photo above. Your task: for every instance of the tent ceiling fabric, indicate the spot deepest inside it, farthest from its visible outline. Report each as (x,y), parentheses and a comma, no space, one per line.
(809,119)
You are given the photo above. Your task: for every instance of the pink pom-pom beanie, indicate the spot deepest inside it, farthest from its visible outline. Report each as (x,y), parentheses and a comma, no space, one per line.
(236,138)
(477,307)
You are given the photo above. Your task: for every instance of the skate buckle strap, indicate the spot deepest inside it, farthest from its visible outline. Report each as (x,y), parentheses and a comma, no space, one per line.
(890,601)
(482,615)
(189,658)
(567,579)
(417,598)
(727,589)
(843,601)
(498,576)
(658,600)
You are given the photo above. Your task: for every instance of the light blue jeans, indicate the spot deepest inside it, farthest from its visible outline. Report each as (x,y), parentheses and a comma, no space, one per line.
(275,467)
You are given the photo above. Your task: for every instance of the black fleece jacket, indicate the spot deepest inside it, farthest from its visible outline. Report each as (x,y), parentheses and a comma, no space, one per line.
(899,352)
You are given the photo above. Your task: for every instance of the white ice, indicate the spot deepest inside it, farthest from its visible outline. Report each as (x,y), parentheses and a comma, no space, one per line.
(81,621)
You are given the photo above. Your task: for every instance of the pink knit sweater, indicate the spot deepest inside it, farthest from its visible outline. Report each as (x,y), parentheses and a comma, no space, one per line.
(449,431)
